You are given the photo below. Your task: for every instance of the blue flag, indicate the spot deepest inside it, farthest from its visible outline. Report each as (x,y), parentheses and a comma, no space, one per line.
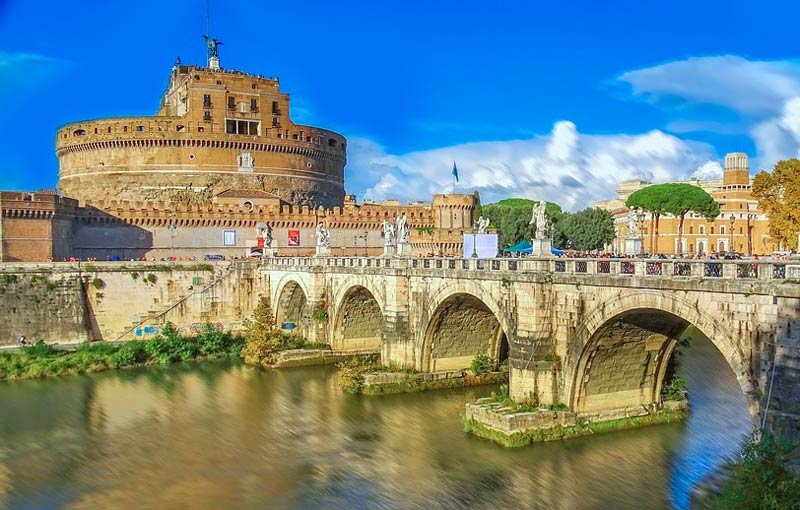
(455,171)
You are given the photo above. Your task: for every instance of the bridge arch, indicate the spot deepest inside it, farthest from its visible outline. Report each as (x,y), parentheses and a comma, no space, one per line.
(463,320)
(358,320)
(291,304)
(620,351)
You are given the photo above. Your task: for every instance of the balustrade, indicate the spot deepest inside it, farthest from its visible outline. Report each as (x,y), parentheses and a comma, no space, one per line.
(722,269)
(712,269)
(747,270)
(653,269)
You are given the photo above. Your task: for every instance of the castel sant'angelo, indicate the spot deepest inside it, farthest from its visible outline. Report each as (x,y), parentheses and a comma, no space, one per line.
(220,157)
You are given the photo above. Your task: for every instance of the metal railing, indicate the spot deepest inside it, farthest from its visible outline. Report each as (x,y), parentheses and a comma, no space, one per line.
(639,268)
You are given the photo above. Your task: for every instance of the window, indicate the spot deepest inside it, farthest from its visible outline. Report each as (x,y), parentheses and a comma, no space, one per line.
(331,142)
(229,238)
(275,122)
(254,105)
(206,100)
(702,229)
(691,231)
(79,132)
(206,116)
(231,103)
(219,82)
(275,109)
(179,128)
(140,128)
(109,129)
(200,129)
(741,231)
(241,127)
(124,129)
(722,230)
(254,86)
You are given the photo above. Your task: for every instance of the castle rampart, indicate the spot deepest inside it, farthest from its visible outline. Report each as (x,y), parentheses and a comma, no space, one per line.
(215,130)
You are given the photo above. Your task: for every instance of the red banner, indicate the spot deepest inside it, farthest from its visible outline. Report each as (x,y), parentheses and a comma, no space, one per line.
(294,238)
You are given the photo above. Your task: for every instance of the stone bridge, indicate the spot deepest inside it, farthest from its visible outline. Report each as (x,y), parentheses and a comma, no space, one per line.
(594,334)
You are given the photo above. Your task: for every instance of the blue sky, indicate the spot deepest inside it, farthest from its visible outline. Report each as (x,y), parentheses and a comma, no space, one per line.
(555,100)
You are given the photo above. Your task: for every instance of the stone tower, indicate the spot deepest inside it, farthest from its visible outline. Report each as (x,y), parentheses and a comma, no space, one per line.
(216,130)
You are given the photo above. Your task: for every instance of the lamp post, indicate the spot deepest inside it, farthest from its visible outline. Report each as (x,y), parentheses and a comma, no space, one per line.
(749,218)
(732,219)
(365,243)
(640,219)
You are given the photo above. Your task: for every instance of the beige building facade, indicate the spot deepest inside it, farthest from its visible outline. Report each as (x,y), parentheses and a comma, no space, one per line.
(741,227)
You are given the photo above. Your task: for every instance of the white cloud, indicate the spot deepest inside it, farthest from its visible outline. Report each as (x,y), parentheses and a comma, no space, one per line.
(750,87)
(575,169)
(565,166)
(764,94)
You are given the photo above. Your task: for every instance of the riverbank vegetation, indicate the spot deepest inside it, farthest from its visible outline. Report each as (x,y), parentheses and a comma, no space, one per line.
(263,340)
(43,360)
(765,478)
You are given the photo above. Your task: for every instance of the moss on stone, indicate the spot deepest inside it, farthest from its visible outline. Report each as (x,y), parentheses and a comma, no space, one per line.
(414,383)
(582,428)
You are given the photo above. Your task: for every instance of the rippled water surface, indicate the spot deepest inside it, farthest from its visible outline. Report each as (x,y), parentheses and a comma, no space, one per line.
(216,436)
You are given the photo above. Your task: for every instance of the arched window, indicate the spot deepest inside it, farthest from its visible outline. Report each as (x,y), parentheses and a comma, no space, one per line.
(79,132)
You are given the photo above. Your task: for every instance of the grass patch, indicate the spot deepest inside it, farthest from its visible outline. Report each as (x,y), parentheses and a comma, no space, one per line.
(43,360)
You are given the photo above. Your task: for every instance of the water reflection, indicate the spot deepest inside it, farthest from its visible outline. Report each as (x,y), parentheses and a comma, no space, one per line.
(226,436)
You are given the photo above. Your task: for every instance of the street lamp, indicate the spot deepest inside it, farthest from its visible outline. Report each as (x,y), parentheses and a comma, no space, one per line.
(640,219)
(730,246)
(474,242)
(750,217)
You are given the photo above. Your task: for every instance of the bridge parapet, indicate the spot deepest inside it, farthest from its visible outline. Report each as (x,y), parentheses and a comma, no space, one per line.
(749,270)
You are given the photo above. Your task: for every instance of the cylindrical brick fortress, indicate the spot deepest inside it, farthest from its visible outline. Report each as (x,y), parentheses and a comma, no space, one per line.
(216,130)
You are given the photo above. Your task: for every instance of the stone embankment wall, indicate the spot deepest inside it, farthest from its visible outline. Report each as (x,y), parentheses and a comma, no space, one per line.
(63,303)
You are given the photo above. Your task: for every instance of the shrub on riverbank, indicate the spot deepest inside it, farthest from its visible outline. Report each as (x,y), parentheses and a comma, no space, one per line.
(41,360)
(763,479)
(263,340)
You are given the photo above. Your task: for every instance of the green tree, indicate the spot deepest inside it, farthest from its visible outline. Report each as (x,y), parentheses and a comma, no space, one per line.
(589,229)
(512,216)
(652,199)
(688,197)
(778,194)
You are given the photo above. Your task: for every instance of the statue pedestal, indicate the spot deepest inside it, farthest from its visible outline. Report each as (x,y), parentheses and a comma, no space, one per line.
(634,246)
(323,251)
(541,247)
(388,250)
(404,249)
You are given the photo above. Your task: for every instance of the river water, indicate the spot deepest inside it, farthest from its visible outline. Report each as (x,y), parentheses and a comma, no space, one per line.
(219,435)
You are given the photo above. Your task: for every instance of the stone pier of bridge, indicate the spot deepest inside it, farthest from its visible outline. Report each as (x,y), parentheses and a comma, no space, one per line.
(593,334)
